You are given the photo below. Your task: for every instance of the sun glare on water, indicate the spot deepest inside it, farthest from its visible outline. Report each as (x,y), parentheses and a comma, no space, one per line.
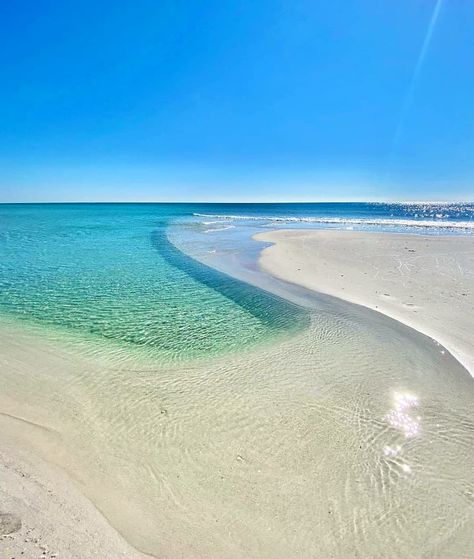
(400,416)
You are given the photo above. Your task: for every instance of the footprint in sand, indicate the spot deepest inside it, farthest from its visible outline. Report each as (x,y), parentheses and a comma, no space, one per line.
(9,523)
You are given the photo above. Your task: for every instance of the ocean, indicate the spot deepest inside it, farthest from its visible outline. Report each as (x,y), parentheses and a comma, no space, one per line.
(208,416)
(123,272)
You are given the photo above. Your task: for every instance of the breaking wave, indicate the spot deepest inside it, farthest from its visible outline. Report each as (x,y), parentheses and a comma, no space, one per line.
(386,222)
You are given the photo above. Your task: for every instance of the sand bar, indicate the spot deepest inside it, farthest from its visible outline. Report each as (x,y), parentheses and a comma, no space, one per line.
(426,282)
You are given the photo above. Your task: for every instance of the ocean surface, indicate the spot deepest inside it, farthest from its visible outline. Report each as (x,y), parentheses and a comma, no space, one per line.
(110,272)
(400,217)
(206,416)
(122,272)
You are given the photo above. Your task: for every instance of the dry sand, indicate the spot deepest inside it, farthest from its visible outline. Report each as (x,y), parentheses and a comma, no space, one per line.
(43,515)
(426,282)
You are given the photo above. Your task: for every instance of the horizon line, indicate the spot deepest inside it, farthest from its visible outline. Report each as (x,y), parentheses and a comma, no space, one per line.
(348,201)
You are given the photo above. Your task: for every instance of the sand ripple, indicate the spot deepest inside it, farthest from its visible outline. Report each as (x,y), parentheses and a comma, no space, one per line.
(350,439)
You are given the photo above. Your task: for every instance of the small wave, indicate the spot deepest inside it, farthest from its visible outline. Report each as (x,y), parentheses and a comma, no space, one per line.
(427,223)
(215,229)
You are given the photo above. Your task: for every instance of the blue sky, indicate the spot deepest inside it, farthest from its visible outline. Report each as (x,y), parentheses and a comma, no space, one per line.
(263,100)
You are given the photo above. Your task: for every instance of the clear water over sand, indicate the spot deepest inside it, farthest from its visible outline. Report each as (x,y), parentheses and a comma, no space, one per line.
(110,273)
(317,431)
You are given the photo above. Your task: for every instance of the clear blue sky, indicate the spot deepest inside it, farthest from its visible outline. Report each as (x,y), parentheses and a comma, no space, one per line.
(236,100)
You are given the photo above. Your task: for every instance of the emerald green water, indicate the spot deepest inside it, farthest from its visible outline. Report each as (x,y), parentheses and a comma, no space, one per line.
(109,271)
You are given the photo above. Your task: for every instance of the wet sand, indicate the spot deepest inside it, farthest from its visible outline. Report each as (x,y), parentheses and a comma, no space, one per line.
(44,512)
(426,282)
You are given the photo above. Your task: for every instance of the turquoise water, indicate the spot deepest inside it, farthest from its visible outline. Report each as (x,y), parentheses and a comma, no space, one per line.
(109,271)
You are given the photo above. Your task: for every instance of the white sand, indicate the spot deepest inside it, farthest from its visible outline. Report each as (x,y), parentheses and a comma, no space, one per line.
(281,452)
(44,515)
(286,450)
(43,512)
(426,282)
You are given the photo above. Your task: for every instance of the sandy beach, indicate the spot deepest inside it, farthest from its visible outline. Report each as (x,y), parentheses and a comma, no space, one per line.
(350,437)
(237,280)
(426,282)
(43,514)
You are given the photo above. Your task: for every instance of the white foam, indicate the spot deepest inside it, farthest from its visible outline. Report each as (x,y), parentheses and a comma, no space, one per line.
(215,229)
(426,223)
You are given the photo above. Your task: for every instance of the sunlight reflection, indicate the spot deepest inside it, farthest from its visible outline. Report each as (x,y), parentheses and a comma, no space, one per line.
(399,417)
(391,451)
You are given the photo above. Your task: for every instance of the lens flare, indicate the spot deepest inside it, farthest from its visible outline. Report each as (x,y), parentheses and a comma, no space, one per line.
(408,99)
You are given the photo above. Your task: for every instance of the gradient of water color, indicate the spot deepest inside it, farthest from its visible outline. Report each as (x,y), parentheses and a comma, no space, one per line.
(109,271)
(316,430)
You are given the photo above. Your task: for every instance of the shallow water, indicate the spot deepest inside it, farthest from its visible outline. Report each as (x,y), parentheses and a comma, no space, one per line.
(331,431)
(109,272)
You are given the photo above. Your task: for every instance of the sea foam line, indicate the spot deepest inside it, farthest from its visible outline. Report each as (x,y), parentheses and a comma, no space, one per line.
(354,221)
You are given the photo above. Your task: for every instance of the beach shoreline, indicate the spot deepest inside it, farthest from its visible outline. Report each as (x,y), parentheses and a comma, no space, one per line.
(44,510)
(390,273)
(43,513)
(310,416)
